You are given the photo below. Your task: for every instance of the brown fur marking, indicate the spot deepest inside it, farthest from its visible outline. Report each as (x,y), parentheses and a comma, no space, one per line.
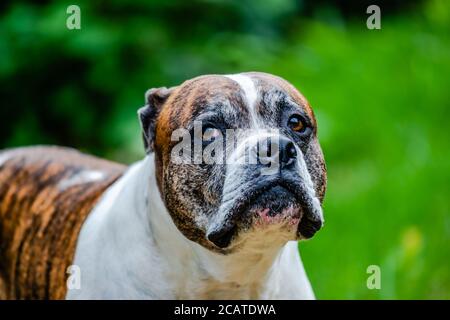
(40,216)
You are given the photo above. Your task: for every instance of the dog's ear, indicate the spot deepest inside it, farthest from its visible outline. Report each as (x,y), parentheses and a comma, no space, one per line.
(154,99)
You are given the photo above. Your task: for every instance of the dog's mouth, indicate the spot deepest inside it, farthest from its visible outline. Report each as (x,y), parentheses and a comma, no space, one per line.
(274,201)
(275,206)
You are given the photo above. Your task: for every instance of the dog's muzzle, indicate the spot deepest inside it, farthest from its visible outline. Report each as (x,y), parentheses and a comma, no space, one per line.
(291,185)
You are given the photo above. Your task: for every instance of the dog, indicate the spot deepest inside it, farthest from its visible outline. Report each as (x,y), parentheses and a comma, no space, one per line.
(77,227)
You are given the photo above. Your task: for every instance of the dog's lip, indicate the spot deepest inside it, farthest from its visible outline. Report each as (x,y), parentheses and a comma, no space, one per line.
(254,193)
(308,227)
(222,237)
(251,196)
(252,207)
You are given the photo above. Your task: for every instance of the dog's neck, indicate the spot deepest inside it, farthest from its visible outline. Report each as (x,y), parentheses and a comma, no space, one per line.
(130,247)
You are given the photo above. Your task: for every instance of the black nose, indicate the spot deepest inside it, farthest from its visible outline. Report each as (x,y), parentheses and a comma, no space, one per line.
(277,149)
(288,153)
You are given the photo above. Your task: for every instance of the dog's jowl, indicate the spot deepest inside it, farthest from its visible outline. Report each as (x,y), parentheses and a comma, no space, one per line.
(233,176)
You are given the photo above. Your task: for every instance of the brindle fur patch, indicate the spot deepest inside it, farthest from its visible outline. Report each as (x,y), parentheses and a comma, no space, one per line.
(41,216)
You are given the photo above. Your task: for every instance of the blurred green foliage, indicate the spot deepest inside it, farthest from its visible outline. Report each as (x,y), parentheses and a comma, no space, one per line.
(381,98)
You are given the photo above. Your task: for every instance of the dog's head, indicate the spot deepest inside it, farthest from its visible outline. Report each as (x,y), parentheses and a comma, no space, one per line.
(237,159)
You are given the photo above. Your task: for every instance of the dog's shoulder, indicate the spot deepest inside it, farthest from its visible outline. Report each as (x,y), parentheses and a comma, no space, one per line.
(45,195)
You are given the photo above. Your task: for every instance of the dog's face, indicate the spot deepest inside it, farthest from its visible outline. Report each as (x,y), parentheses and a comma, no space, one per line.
(265,175)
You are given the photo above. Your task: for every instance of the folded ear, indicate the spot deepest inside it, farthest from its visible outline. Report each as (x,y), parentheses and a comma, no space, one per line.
(155,99)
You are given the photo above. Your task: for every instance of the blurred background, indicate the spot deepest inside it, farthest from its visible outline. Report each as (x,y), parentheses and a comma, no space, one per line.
(381,98)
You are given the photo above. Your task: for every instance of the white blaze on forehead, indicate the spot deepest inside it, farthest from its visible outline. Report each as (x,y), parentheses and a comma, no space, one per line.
(250,92)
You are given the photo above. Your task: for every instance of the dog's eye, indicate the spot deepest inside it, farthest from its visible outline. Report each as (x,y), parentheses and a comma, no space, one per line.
(210,132)
(296,123)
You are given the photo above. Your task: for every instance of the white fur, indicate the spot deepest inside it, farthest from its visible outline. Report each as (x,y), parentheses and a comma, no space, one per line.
(86,176)
(4,157)
(129,248)
(311,193)
(251,95)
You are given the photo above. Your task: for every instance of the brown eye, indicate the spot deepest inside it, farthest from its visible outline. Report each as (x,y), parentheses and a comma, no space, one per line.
(296,123)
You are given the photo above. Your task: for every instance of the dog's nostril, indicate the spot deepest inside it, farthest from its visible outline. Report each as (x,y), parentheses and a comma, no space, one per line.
(291,152)
(288,152)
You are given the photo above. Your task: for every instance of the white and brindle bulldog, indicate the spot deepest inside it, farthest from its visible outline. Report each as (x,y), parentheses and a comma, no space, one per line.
(166,230)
